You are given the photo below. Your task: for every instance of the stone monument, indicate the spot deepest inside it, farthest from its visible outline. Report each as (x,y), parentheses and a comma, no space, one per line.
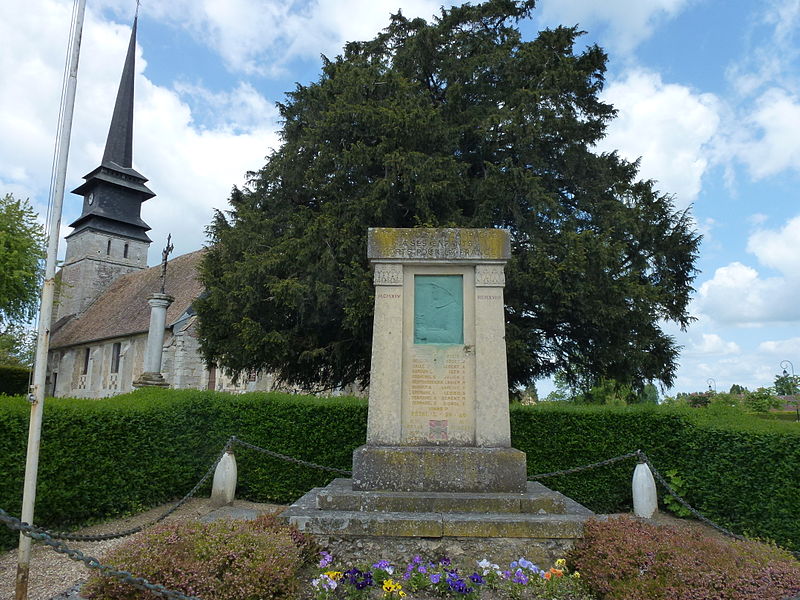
(437,473)
(438,403)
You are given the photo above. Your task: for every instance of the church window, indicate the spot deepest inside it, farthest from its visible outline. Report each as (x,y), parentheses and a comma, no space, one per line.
(108,248)
(125,251)
(86,353)
(115,351)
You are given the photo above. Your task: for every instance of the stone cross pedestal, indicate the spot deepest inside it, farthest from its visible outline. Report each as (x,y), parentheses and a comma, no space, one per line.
(438,404)
(437,475)
(155,342)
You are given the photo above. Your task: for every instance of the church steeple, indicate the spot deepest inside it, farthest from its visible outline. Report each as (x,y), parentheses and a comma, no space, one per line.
(114,191)
(119,144)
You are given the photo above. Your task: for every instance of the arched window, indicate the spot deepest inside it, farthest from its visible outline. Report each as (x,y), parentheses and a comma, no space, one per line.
(108,247)
(125,251)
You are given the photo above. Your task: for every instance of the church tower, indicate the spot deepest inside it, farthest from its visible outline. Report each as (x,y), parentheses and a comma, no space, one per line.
(109,238)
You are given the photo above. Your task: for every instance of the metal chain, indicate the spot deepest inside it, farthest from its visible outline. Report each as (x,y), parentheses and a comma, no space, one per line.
(290,458)
(602,463)
(77,537)
(91,562)
(683,502)
(667,487)
(691,509)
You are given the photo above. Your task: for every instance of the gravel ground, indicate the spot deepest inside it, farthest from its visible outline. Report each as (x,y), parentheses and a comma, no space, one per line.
(54,576)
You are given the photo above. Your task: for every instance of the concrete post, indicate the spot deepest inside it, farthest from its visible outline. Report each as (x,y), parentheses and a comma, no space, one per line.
(155,341)
(223,488)
(645,498)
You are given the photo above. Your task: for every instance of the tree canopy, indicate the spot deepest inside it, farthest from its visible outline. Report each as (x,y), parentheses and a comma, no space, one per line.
(457,122)
(21,254)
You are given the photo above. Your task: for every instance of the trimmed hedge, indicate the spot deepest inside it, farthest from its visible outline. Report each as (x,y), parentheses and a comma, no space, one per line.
(14,380)
(103,458)
(115,456)
(739,471)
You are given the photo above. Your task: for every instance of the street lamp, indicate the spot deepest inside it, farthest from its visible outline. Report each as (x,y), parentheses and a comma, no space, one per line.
(783,366)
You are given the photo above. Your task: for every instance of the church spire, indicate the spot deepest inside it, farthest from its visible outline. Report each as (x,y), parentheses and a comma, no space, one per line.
(119,144)
(113,193)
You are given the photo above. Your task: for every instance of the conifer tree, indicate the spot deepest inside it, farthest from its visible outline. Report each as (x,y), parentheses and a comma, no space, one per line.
(457,122)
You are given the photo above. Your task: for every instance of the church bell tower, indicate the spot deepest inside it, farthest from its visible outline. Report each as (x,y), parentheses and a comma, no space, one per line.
(109,238)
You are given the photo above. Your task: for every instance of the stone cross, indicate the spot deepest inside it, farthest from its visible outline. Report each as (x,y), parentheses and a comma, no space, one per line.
(164,256)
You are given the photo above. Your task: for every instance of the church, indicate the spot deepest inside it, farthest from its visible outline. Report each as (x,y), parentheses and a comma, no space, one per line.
(99,332)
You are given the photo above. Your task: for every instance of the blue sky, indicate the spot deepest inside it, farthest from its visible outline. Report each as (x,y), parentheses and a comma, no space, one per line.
(706,92)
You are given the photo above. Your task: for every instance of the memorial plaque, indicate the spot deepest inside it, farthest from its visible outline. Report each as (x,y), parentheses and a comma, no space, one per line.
(438,309)
(438,408)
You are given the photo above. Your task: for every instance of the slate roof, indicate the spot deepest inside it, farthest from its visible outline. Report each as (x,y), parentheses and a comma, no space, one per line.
(123,310)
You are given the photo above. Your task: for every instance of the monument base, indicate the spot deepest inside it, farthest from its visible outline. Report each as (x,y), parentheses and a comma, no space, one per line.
(151,380)
(539,524)
(439,469)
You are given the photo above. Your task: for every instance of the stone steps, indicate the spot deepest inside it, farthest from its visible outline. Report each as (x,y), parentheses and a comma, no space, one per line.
(338,510)
(339,495)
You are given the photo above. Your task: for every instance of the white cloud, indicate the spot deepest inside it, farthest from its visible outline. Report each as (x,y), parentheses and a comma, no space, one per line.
(770,59)
(757,219)
(738,293)
(262,36)
(629,21)
(667,125)
(781,348)
(778,249)
(713,344)
(767,140)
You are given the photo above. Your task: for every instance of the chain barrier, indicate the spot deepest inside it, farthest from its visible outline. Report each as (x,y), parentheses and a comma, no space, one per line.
(49,537)
(77,537)
(683,502)
(91,562)
(602,463)
(642,457)
(290,458)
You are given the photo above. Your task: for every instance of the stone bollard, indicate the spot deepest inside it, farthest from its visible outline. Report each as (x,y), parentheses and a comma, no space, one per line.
(223,489)
(645,498)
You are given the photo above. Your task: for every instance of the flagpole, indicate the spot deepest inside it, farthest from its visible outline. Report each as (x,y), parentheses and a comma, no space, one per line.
(48,293)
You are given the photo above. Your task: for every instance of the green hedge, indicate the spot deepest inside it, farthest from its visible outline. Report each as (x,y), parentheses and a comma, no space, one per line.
(103,458)
(739,471)
(14,380)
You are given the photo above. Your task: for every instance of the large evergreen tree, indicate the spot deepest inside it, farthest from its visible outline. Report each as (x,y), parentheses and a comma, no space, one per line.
(456,122)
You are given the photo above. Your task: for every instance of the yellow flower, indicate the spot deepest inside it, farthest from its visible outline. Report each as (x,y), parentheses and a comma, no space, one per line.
(401,593)
(335,575)
(561,562)
(576,575)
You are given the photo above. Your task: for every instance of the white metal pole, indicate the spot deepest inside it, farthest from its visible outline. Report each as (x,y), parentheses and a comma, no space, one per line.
(46,309)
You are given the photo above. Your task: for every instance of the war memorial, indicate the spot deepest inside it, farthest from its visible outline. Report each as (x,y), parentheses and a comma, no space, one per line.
(437,474)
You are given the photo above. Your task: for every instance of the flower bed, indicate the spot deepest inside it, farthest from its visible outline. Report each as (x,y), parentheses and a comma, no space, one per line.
(442,579)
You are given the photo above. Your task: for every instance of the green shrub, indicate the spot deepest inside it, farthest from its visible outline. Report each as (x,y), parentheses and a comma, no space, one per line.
(627,559)
(14,380)
(114,456)
(224,560)
(762,400)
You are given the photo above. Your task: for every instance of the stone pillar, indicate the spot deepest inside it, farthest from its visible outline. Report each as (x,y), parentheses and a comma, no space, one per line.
(223,487)
(155,341)
(384,418)
(645,496)
(492,419)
